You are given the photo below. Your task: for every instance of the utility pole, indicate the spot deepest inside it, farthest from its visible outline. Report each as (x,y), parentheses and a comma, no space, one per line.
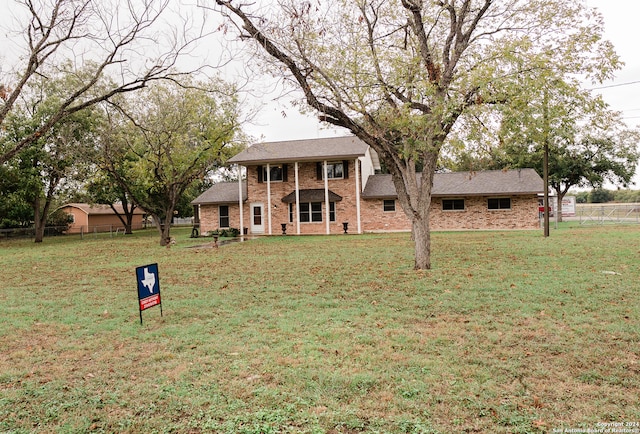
(545,162)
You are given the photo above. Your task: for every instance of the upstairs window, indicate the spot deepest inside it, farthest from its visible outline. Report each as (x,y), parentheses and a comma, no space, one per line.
(277,173)
(335,170)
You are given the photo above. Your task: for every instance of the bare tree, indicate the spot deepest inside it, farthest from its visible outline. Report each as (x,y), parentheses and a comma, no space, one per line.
(119,46)
(399,74)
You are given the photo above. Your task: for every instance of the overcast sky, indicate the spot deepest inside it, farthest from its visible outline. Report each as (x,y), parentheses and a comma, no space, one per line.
(277,120)
(621,28)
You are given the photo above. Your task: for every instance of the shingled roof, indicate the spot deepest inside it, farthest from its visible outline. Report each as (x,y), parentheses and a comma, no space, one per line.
(312,195)
(458,184)
(331,148)
(100,209)
(223,192)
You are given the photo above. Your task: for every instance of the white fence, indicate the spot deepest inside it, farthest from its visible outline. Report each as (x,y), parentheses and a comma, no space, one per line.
(607,213)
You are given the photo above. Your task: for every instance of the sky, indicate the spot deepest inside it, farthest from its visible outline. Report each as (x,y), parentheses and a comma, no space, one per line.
(278,120)
(621,28)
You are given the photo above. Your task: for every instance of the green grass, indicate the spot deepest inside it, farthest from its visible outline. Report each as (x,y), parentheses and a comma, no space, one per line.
(510,332)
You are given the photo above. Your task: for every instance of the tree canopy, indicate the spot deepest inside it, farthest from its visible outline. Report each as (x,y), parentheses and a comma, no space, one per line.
(90,40)
(589,144)
(400,74)
(156,145)
(53,161)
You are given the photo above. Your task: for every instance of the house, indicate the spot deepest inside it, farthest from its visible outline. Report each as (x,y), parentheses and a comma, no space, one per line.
(327,186)
(98,218)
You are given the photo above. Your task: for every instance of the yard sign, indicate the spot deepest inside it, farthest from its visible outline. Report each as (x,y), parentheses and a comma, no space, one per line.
(148,287)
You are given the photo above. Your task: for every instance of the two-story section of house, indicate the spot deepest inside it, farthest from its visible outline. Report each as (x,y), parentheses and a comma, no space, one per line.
(304,186)
(324,186)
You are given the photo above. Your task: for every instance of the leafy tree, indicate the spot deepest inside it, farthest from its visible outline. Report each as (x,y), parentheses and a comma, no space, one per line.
(400,74)
(166,139)
(50,161)
(100,38)
(626,195)
(588,143)
(15,211)
(582,197)
(600,195)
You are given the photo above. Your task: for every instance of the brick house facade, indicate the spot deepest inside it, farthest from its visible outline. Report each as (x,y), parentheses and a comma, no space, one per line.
(315,186)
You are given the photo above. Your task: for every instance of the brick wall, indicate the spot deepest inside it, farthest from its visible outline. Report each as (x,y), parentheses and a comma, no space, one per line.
(210,217)
(345,209)
(522,215)
(375,219)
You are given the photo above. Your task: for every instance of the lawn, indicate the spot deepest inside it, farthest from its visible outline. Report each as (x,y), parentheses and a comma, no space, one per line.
(510,332)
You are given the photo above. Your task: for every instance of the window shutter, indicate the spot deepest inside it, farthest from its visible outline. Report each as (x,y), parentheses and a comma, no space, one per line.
(285,175)
(319,171)
(260,180)
(345,169)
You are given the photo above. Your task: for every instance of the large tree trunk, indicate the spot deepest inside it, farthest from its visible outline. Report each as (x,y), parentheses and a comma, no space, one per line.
(422,241)
(559,206)
(164,228)
(38,222)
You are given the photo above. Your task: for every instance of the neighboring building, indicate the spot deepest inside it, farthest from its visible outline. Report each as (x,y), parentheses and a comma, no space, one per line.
(315,186)
(98,218)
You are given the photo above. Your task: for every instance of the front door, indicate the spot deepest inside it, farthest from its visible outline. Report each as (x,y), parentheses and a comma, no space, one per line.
(257,218)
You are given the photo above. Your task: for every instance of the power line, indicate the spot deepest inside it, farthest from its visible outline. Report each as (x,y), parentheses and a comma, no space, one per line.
(616,85)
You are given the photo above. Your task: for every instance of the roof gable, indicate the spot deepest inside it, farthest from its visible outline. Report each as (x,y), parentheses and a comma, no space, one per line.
(223,192)
(302,150)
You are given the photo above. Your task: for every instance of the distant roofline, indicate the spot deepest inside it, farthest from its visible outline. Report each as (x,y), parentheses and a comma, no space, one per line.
(263,149)
(100,208)
(382,186)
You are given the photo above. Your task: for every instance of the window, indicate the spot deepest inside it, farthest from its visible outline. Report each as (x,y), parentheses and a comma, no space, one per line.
(312,212)
(389,205)
(291,213)
(224,216)
(453,204)
(277,173)
(335,170)
(499,203)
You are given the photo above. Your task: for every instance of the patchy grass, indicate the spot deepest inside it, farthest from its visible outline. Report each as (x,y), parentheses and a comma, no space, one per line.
(510,332)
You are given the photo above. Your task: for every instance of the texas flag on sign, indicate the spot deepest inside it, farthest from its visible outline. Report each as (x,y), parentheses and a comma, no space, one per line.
(148,286)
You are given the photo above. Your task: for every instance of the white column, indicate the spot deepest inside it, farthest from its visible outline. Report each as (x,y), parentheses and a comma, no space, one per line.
(269,196)
(240,200)
(297,200)
(326,196)
(358,195)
